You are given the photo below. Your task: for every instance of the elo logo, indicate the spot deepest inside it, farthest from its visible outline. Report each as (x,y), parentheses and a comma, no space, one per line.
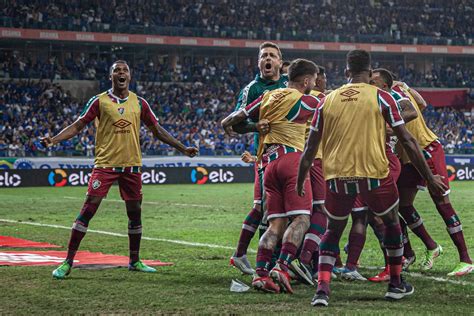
(194,175)
(220,176)
(57,178)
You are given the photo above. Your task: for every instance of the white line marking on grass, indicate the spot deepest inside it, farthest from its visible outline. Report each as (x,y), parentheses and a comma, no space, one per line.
(423,276)
(102,232)
(196,244)
(148,202)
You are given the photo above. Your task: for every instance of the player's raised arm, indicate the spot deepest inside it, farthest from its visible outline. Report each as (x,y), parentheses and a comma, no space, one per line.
(67,133)
(89,114)
(408,110)
(250,111)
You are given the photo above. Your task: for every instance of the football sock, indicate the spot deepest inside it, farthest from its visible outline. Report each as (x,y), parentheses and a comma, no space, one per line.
(313,236)
(356,244)
(454,227)
(407,249)
(264,257)
(393,241)
(79,229)
(287,254)
(415,223)
(328,251)
(249,228)
(134,234)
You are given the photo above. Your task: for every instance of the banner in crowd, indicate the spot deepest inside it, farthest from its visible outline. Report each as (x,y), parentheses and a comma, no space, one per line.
(88,163)
(94,37)
(80,177)
(445,97)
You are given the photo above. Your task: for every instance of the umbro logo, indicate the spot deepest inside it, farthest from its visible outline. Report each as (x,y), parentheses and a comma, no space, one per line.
(122,123)
(349,93)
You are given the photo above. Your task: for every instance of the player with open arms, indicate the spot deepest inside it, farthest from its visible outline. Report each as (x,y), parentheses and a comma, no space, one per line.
(287,111)
(269,78)
(117,158)
(347,125)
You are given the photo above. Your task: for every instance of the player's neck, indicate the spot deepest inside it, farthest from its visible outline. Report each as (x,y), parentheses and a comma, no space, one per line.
(362,78)
(274,78)
(121,93)
(296,86)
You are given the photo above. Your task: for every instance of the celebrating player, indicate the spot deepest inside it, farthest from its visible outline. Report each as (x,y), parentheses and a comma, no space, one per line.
(347,125)
(411,181)
(306,265)
(269,78)
(382,79)
(117,158)
(287,112)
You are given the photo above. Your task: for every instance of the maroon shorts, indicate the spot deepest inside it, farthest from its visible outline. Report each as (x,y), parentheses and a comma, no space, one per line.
(380,196)
(411,178)
(395,168)
(130,183)
(257,185)
(280,188)
(318,184)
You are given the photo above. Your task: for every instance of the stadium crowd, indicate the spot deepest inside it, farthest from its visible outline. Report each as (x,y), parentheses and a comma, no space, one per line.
(383,21)
(190,112)
(82,66)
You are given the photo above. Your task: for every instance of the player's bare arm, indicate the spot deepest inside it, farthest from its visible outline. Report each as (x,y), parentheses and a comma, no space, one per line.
(232,119)
(408,110)
(163,135)
(435,183)
(67,133)
(420,101)
(307,159)
(245,127)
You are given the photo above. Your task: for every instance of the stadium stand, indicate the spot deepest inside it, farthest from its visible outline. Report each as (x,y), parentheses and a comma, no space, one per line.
(443,22)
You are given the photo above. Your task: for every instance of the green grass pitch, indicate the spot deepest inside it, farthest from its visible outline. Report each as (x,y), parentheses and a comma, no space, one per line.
(200,279)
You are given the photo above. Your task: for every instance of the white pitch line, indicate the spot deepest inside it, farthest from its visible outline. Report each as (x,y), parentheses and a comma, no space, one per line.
(148,202)
(196,244)
(423,276)
(102,232)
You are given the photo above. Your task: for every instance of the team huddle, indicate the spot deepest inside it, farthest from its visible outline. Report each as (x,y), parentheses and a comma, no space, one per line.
(362,150)
(321,157)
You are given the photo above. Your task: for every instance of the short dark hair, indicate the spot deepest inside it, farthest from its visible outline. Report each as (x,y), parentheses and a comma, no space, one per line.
(285,63)
(386,76)
(358,60)
(272,45)
(322,70)
(301,67)
(120,61)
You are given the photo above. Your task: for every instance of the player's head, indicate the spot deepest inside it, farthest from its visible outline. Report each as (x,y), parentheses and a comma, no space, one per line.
(119,74)
(382,78)
(284,67)
(302,73)
(321,80)
(269,61)
(358,63)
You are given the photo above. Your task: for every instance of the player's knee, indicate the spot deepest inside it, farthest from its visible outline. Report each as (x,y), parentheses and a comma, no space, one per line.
(257,207)
(94,200)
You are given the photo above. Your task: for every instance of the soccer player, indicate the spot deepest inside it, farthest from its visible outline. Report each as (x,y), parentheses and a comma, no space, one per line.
(307,264)
(269,78)
(411,181)
(287,112)
(117,158)
(382,79)
(347,125)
